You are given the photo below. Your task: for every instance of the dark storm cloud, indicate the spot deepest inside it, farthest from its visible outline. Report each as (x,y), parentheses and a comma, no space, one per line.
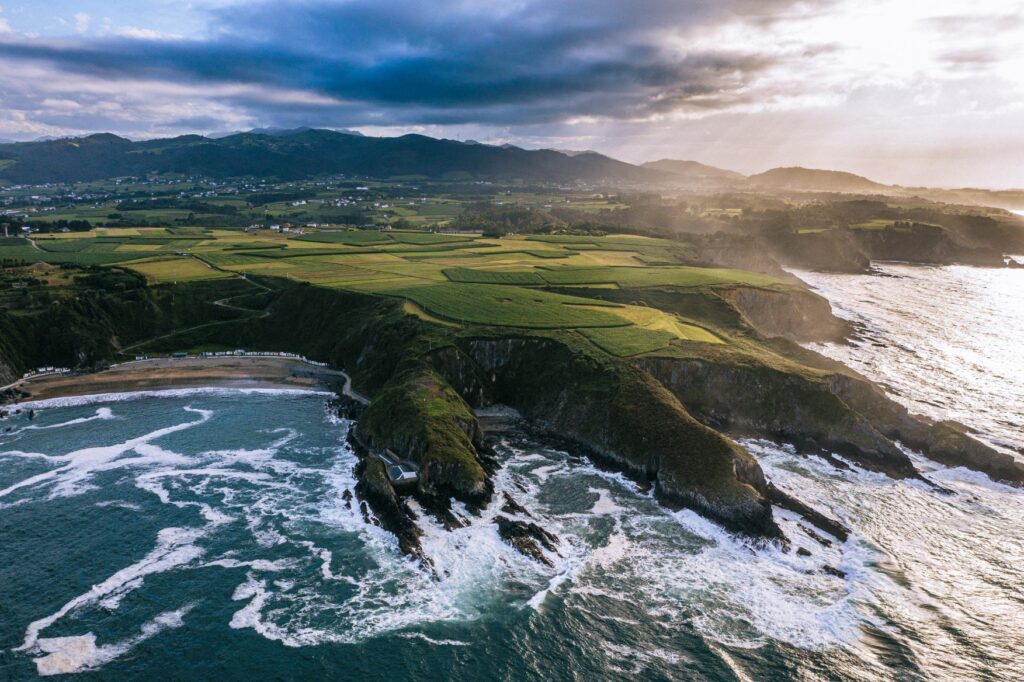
(388,62)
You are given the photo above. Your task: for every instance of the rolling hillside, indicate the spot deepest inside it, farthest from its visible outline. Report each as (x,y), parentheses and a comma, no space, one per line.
(813,180)
(694,170)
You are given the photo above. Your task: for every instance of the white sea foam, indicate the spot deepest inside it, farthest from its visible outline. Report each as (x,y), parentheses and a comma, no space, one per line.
(174,548)
(119,504)
(640,659)
(80,465)
(214,391)
(256,564)
(102,414)
(431,640)
(67,655)
(604,504)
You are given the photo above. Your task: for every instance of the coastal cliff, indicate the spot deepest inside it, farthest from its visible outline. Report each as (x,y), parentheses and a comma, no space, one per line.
(666,418)
(852,250)
(620,417)
(794,314)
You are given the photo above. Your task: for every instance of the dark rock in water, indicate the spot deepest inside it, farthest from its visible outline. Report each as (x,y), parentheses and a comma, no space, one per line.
(441,509)
(513,507)
(800,551)
(832,570)
(946,442)
(824,542)
(375,489)
(31,415)
(527,538)
(787,501)
(347,407)
(347,496)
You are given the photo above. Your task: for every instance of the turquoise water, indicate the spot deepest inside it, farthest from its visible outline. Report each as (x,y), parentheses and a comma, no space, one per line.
(204,535)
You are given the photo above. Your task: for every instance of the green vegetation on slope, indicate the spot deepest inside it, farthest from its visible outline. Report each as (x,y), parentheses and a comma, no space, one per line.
(495,305)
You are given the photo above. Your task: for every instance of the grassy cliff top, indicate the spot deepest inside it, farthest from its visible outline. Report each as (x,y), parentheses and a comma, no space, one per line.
(461,280)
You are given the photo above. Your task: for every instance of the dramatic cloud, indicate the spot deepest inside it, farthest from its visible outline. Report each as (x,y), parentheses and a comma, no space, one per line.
(405,62)
(751,83)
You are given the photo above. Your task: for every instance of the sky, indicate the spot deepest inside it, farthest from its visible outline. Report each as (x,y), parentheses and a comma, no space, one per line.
(911,92)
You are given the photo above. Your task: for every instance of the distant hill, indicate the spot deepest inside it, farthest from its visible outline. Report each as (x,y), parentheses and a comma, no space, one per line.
(303,153)
(694,170)
(809,179)
(275,132)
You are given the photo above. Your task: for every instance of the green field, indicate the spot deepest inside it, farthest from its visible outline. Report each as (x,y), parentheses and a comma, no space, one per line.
(458,280)
(640,277)
(469,276)
(177,270)
(349,237)
(493,305)
(626,341)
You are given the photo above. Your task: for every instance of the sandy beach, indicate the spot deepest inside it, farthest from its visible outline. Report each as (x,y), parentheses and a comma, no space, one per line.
(167,373)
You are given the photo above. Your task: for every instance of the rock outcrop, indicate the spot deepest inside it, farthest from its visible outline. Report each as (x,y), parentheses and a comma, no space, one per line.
(423,419)
(828,412)
(945,442)
(620,416)
(794,314)
(391,512)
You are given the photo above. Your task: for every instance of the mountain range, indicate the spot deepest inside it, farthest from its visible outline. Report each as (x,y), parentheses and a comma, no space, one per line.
(290,154)
(303,153)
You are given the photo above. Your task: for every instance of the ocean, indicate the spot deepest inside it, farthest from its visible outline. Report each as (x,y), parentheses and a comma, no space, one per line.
(204,534)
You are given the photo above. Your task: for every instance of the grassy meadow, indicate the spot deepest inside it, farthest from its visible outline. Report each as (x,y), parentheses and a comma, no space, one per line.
(457,280)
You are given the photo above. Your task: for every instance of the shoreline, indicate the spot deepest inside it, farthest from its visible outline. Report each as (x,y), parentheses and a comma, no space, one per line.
(158,374)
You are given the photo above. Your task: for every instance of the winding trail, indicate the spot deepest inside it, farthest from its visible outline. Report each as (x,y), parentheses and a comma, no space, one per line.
(223,303)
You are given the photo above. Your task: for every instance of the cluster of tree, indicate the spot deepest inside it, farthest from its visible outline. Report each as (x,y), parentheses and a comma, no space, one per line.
(193,205)
(262,198)
(121,220)
(110,279)
(501,219)
(56,225)
(775,221)
(648,218)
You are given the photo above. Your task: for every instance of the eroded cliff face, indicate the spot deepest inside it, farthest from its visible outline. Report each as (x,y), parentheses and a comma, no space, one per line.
(853,250)
(621,417)
(826,412)
(945,442)
(794,314)
(753,400)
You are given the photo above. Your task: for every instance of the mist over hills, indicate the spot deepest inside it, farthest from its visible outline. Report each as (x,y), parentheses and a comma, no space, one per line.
(694,170)
(808,179)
